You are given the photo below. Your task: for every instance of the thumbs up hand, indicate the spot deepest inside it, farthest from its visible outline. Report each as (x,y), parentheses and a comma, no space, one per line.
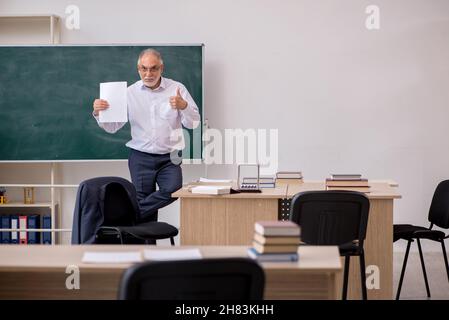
(177,102)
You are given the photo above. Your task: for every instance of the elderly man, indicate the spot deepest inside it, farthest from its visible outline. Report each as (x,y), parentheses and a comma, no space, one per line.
(156,107)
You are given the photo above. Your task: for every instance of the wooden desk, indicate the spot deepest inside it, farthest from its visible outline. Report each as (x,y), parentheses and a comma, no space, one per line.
(38,272)
(225,219)
(229,220)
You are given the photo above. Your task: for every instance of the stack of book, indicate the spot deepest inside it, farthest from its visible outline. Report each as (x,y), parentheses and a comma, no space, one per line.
(288,177)
(275,241)
(351,182)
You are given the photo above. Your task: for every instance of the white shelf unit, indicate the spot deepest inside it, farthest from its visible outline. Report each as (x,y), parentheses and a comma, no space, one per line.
(53,23)
(54,28)
(52,205)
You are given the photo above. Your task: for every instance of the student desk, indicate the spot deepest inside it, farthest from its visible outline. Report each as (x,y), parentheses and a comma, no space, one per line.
(38,272)
(229,220)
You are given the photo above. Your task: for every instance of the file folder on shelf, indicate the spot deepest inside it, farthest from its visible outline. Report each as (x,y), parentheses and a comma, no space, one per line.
(14,225)
(23,235)
(46,224)
(5,236)
(34,223)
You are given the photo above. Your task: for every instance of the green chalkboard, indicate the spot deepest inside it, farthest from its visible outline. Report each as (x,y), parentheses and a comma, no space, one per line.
(46,95)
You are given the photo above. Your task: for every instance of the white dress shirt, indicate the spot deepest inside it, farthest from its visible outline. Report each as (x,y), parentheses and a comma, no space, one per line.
(155,125)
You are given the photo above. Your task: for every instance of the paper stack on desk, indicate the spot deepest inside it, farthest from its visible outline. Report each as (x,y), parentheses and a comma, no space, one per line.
(112,257)
(138,256)
(214,190)
(171,254)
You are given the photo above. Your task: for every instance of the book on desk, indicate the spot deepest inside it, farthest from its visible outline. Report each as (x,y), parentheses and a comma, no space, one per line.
(275,241)
(348,182)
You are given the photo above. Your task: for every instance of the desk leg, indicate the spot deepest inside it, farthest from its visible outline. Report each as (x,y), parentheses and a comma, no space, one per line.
(378,252)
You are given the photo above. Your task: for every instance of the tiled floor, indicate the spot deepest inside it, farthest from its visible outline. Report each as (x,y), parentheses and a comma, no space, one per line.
(413,286)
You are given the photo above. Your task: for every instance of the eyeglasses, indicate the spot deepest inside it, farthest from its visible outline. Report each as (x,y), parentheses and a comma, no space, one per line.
(153,69)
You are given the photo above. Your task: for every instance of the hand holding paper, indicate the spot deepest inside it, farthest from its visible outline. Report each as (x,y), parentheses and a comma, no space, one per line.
(115,95)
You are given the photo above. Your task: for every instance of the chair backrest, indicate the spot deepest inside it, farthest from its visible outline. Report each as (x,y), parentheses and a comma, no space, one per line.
(88,215)
(330,217)
(118,209)
(203,279)
(439,208)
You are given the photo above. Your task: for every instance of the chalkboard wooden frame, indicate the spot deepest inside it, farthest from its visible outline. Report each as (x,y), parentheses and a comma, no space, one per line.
(10,115)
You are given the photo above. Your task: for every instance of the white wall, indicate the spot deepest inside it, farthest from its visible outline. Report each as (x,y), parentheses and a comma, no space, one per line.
(344,99)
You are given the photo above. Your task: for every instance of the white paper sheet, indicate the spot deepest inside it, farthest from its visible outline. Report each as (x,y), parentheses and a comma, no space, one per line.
(177,254)
(112,257)
(115,94)
(215,180)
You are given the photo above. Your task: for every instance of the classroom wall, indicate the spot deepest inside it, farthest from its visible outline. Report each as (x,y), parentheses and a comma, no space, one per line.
(344,99)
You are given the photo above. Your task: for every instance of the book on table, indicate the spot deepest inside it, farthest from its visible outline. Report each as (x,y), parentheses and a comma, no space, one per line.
(275,248)
(346,176)
(264,182)
(289,175)
(272,257)
(277,228)
(276,239)
(358,189)
(347,183)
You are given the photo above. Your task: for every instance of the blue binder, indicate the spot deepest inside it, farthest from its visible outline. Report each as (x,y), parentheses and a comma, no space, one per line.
(34,223)
(46,224)
(5,236)
(14,225)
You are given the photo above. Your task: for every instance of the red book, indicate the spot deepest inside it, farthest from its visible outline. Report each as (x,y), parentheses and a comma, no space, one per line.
(23,235)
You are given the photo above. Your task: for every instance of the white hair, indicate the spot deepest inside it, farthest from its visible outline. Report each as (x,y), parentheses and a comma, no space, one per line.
(150,51)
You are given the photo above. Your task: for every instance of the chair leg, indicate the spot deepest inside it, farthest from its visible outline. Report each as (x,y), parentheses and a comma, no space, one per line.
(172,241)
(404,264)
(363,276)
(345,278)
(423,268)
(445,258)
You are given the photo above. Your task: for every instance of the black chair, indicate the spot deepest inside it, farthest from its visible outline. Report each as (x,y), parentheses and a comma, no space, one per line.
(203,279)
(438,216)
(334,218)
(120,214)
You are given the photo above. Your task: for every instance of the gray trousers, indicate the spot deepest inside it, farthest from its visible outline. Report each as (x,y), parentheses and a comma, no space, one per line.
(147,170)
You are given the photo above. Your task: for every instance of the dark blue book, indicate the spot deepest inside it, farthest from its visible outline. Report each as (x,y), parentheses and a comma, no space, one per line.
(34,223)
(46,224)
(15,225)
(5,236)
(272,257)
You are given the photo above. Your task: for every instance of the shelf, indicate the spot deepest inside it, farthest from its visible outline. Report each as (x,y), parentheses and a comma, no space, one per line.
(52,19)
(24,205)
(21,185)
(35,230)
(27,16)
